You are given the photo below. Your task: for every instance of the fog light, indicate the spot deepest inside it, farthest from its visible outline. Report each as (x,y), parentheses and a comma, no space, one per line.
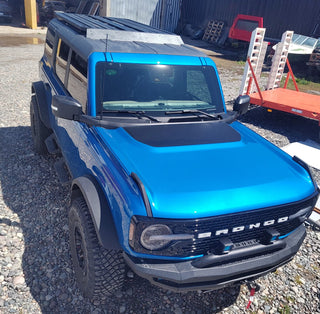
(157,243)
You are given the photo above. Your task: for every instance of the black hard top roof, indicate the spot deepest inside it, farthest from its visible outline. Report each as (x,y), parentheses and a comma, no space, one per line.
(87,34)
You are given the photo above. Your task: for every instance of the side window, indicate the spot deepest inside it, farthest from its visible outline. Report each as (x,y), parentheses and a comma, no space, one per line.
(77,82)
(62,59)
(48,48)
(197,86)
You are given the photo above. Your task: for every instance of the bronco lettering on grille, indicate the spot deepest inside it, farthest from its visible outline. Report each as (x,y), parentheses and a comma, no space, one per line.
(251,226)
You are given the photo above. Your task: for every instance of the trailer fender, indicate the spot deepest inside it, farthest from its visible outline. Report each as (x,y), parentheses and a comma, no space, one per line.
(99,210)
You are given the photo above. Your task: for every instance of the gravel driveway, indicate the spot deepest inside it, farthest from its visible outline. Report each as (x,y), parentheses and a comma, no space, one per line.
(35,266)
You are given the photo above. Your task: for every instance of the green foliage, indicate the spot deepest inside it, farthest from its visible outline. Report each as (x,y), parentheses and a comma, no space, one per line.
(290,299)
(297,280)
(302,81)
(285,309)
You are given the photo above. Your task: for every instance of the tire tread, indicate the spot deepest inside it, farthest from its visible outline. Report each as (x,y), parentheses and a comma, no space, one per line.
(106,269)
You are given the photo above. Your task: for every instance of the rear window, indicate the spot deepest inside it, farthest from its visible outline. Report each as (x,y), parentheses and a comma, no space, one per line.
(48,48)
(62,59)
(77,81)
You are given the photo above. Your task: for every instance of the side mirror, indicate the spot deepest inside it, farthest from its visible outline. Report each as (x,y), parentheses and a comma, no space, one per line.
(241,104)
(65,107)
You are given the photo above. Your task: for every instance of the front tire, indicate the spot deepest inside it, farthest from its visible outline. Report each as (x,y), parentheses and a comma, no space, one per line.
(99,272)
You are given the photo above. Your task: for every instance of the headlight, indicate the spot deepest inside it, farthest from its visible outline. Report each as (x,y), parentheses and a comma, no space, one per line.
(155,237)
(158,236)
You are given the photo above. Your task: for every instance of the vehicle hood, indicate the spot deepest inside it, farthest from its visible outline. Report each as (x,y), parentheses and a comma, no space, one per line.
(209,172)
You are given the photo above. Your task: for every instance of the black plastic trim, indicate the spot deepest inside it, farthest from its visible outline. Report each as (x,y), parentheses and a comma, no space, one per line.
(99,210)
(126,123)
(212,260)
(39,89)
(142,189)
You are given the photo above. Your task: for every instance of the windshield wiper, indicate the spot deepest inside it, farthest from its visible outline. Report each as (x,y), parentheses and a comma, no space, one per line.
(138,113)
(195,112)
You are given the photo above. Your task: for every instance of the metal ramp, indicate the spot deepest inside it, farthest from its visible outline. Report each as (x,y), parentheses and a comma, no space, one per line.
(279,61)
(260,63)
(256,53)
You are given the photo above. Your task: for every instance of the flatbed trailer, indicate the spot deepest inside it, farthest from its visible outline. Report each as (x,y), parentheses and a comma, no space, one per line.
(287,100)
(276,97)
(291,101)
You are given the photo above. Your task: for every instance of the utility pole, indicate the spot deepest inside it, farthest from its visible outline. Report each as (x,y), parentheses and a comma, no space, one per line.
(30,13)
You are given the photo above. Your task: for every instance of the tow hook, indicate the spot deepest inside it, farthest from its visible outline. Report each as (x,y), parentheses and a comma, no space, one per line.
(253,287)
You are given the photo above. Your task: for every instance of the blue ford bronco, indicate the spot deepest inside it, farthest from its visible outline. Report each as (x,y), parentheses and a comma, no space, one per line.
(163,179)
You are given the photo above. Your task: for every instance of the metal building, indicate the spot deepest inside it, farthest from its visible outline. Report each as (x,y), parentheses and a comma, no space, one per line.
(163,14)
(301,16)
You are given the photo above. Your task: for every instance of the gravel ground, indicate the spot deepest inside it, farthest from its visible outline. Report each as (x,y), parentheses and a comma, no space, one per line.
(35,266)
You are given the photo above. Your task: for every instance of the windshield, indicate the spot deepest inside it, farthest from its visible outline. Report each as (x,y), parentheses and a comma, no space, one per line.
(303,40)
(148,87)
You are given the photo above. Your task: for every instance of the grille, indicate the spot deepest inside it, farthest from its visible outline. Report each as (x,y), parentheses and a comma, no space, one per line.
(199,246)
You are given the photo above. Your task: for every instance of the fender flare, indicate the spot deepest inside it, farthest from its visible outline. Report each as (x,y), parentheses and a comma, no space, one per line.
(39,89)
(99,210)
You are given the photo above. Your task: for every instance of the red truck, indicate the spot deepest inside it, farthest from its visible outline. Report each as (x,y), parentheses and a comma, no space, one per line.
(244,25)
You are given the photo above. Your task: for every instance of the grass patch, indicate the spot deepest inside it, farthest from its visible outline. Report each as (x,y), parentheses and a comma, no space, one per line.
(285,309)
(297,280)
(267,299)
(302,81)
(290,299)
(303,84)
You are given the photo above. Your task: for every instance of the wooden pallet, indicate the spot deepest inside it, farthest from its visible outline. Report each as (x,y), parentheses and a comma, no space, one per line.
(213,31)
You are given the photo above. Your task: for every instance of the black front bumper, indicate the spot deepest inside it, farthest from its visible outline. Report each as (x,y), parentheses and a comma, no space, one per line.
(188,276)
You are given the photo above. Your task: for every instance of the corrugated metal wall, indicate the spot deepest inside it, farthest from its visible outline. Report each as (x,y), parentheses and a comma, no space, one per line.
(301,16)
(166,15)
(162,14)
(137,10)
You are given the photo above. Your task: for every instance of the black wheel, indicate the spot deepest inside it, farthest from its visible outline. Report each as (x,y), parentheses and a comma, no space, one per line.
(39,131)
(99,272)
